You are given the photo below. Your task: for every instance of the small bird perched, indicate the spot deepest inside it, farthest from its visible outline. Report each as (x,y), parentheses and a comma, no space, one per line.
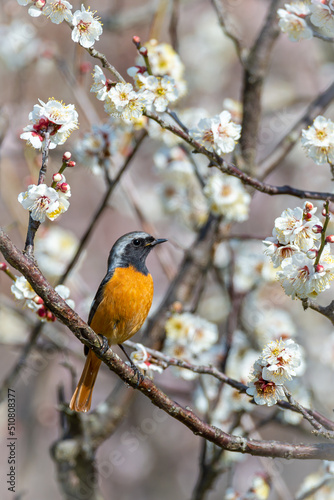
(120,306)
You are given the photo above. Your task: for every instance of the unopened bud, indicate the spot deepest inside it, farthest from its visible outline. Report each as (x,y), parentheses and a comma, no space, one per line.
(41,312)
(317,229)
(40,4)
(177,307)
(85,67)
(50,316)
(3,266)
(312,253)
(308,206)
(57,177)
(64,187)
(308,216)
(324,213)
(143,51)
(38,300)
(319,268)
(330,238)
(71,163)
(136,40)
(67,156)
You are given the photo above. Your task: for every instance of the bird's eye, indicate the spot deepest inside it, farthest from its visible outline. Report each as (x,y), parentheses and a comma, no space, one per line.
(137,242)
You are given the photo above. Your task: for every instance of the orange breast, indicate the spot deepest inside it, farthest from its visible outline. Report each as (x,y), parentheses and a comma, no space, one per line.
(126,302)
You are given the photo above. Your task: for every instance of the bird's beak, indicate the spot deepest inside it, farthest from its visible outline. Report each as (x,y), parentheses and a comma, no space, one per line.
(155,242)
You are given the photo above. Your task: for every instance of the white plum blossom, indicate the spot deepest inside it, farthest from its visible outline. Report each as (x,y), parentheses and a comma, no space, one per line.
(58,11)
(165,61)
(161,91)
(54,117)
(280,360)
(300,278)
(322,16)
(189,337)
(295,227)
(227,197)
(225,132)
(22,289)
(124,102)
(188,329)
(278,252)
(141,358)
(35,6)
(318,140)
(64,292)
(86,28)
(203,133)
(295,26)
(218,134)
(43,201)
(100,85)
(263,391)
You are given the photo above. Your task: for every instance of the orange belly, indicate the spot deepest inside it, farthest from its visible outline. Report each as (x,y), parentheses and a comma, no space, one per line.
(126,302)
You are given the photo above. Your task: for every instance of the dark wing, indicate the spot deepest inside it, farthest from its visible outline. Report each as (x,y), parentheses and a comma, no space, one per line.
(97,300)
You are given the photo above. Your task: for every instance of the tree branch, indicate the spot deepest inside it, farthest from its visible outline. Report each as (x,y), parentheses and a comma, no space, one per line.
(86,335)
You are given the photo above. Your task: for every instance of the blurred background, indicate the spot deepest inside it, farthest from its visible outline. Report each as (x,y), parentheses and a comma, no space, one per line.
(157,456)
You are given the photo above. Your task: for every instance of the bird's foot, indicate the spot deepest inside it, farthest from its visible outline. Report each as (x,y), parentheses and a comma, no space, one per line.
(104,343)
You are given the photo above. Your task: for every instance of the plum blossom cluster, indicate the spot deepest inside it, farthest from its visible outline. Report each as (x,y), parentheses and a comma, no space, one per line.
(55,118)
(318,141)
(43,201)
(23,292)
(305,271)
(219,134)
(153,89)
(164,61)
(227,196)
(278,363)
(123,100)
(301,18)
(189,337)
(86,28)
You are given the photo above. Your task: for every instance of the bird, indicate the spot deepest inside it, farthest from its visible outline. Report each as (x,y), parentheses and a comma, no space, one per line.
(120,307)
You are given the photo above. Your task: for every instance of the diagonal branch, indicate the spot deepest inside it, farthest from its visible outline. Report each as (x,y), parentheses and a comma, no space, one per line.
(86,335)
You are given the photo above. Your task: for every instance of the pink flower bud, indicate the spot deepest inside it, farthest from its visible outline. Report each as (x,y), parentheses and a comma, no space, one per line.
(324,213)
(143,51)
(136,40)
(307,216)
(317,229)
(312,253)
(85,67)
(3,266)
(71,163)
(67,156)
(38,300)
(64,187)
(57,177)
(319,268)
(50,316)
(41,312)
(40,4)
(308,206)
(330,238)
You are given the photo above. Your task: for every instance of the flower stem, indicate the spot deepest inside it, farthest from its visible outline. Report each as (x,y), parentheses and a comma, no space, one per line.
(323,234)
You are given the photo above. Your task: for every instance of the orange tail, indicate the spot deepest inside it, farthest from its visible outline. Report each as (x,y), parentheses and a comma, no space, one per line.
(82,397)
